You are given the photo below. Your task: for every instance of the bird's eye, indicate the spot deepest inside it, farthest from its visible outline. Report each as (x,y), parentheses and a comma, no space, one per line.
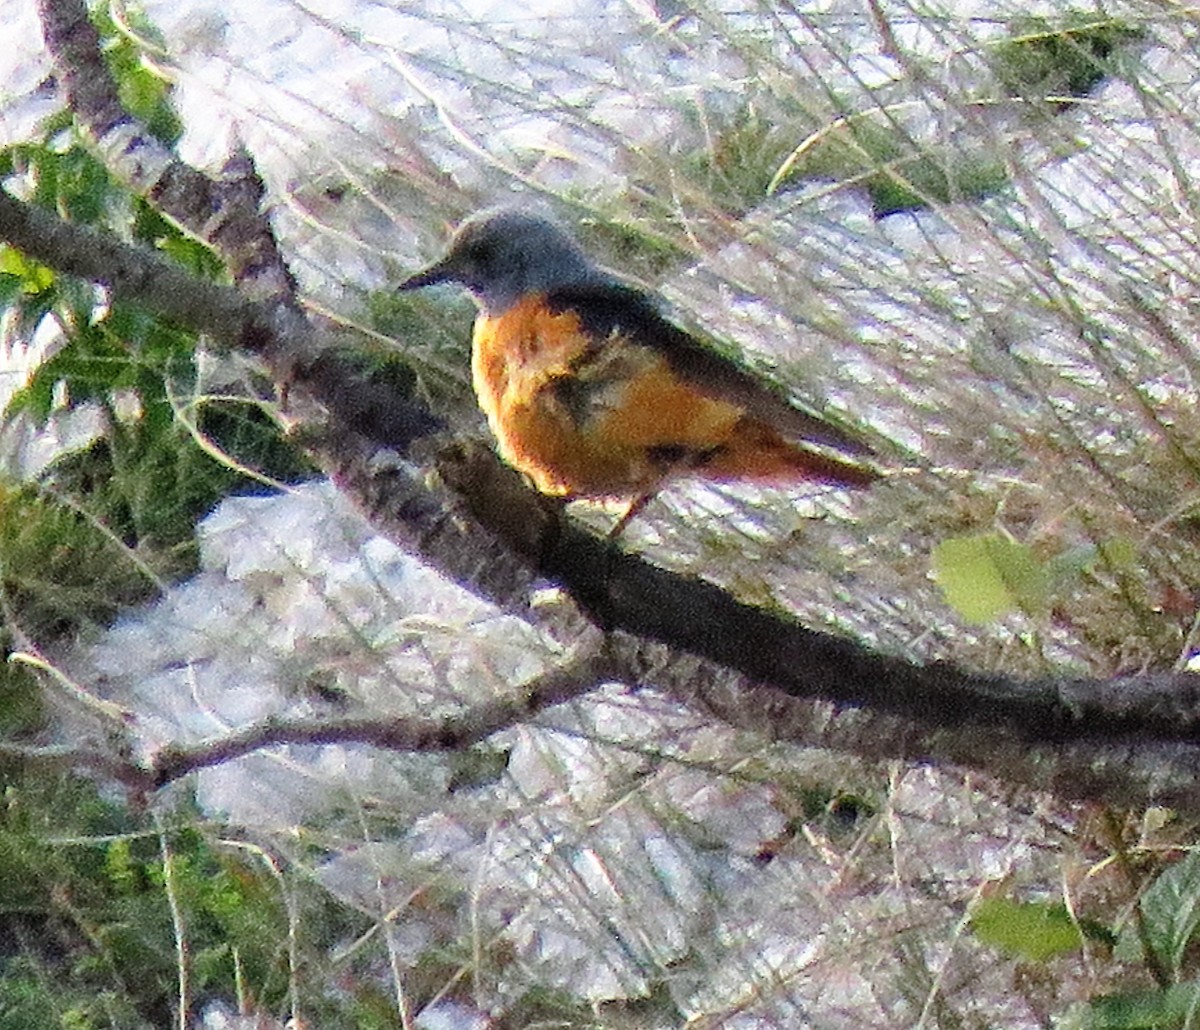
(482,253)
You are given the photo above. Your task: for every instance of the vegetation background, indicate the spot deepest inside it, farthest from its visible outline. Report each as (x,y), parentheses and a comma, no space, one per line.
(967,230)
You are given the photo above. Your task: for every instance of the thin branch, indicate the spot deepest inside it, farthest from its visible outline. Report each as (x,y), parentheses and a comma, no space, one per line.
(451,733)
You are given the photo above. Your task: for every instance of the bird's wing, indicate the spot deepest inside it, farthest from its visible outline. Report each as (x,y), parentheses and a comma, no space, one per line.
(607,308)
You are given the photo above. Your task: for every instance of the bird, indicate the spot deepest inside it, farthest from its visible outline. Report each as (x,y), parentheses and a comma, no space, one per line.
(592,392)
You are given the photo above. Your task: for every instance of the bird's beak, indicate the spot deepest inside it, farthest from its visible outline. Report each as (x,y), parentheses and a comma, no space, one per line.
(440,272)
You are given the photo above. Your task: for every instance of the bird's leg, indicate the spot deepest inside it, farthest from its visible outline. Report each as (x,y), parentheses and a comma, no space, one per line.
(672,461)
(636,506)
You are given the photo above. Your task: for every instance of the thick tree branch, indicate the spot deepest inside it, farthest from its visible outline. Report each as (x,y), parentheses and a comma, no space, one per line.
(751,667)
(702,619)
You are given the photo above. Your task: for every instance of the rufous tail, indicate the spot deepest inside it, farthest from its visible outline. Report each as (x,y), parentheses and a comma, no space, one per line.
(756,452)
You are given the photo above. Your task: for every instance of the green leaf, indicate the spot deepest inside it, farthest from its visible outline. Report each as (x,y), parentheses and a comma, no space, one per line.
(30,276)
(1028,930)
(989,575)
(1170,912)
(1169,1009)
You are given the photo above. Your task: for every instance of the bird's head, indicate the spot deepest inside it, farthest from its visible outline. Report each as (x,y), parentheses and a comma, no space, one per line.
(501,254)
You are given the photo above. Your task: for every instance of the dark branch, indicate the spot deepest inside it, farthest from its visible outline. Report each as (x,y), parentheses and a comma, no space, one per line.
(622,590)
(228,214)
(133,274)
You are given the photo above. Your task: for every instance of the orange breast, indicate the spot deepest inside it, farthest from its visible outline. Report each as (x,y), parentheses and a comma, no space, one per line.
(585,417)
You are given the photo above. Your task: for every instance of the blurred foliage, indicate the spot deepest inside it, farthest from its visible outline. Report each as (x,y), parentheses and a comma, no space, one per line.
(128,44)
(438,370)
(89,939)
(753,151)
(897,172)
(22,707)
(59,569)
(1170,916)
(1166,925)
(1170,1008)
(142,485)
(1161,936)
(742,149)
(627,243)
(1045,61)
(149,477)
(758,149)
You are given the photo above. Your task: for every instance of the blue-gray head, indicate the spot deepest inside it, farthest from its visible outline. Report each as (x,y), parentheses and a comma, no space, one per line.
(503,253)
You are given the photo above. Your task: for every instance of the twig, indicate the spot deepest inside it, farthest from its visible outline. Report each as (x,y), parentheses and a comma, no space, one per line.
(451,733)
